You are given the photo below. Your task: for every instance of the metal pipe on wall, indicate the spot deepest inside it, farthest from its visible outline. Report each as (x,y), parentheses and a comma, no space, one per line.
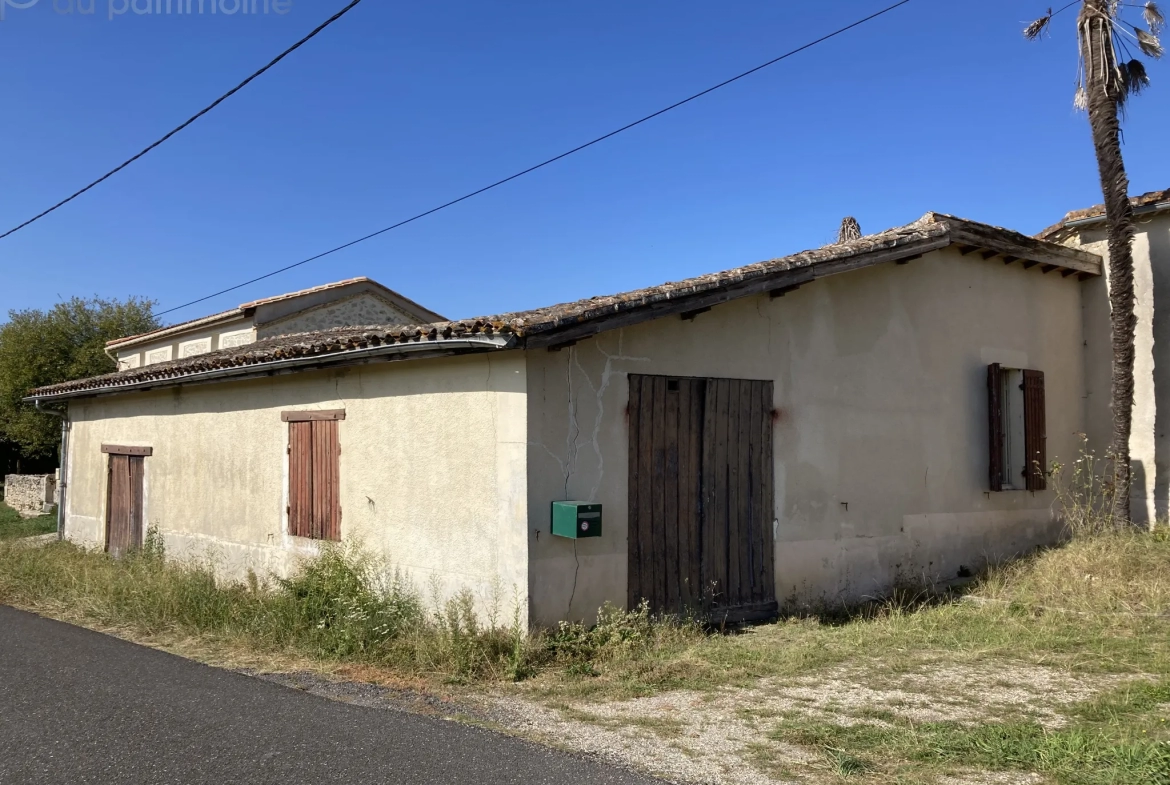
(63,459)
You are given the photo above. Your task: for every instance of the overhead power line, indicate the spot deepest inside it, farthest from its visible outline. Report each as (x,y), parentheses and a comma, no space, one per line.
(543,164)
(193,118)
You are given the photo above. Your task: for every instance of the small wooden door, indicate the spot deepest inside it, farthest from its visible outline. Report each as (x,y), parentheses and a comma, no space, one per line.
(701,496)
(124,504)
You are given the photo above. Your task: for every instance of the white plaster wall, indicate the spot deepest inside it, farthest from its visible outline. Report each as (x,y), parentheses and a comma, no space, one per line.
(1149,445)
(433,469)
(880,385)
(174,342)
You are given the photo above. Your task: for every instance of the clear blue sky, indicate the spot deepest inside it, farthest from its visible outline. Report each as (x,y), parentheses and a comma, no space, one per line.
(940,105)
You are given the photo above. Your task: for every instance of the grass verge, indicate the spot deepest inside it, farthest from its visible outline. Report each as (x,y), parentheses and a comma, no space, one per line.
(13,526)
(1099,606)
(1118,739)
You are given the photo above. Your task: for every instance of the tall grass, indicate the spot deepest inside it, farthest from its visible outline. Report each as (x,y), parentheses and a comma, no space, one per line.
(338,607)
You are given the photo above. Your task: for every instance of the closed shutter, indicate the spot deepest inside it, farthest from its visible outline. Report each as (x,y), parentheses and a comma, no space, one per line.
(300,479)
(314,499)
(1035,432)
(995,426)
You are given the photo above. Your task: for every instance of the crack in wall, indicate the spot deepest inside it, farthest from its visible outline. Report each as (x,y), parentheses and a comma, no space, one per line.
(598,392)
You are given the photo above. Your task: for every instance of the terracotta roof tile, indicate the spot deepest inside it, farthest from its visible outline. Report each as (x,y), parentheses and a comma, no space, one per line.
(931,231)
(1151,199)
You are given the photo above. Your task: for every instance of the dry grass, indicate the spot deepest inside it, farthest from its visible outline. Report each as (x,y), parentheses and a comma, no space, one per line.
(1053,675)
(1057,669)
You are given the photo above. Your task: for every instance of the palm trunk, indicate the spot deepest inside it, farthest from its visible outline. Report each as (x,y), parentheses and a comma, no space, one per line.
(1104,97)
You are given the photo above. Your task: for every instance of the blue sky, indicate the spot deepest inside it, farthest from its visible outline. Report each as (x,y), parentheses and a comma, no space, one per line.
(941,105)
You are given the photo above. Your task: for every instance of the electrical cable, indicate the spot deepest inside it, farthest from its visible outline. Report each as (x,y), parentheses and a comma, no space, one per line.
(543,164)
(193,118)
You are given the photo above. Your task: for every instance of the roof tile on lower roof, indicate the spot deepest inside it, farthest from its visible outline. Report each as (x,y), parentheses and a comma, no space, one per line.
(1098,211)
(931,231)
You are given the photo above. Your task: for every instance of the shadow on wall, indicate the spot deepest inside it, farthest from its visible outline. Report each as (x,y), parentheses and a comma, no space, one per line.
(1159,240)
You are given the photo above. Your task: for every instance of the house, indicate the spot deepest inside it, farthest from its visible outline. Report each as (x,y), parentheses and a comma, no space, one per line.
(814,428)
(347,303)
(1150,441)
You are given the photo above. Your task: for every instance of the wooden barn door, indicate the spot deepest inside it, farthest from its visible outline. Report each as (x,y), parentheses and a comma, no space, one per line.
(700,496)
(124,503)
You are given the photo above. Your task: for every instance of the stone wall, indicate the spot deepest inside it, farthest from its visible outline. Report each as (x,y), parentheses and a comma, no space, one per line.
(30,494)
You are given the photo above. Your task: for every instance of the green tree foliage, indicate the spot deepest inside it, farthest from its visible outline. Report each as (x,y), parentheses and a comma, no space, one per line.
(46,347)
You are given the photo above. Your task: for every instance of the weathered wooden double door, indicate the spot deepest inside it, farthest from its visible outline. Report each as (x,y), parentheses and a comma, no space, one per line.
(124,504)
(701,496)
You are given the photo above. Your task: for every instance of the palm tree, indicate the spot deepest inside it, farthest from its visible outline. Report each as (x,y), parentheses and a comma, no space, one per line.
(1109,74)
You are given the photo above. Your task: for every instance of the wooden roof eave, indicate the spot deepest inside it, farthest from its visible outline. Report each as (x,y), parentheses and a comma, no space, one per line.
(776,281)
(1028,251)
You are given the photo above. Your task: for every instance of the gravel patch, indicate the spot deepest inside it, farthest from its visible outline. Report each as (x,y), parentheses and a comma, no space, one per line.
(710,738)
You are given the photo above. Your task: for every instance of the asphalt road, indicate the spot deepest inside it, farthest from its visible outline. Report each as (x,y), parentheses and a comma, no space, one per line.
(80,707)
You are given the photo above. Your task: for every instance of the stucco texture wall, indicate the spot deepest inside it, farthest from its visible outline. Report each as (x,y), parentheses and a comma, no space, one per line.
(1150,434)
(432,469)
(880,389)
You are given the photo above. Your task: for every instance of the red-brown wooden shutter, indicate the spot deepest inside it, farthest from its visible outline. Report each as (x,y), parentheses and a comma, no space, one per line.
(995,426)
(314,498)
(1035,432)
(300,479)
(326,485)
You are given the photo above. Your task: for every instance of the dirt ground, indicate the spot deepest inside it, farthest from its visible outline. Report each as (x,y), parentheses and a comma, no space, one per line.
(722,738)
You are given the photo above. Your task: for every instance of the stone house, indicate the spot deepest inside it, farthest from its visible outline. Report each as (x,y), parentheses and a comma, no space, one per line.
(813,428)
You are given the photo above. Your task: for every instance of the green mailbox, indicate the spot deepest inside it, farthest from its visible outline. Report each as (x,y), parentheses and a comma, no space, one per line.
(576,519)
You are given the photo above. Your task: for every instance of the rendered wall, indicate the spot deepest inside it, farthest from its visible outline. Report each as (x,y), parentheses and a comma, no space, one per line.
(880,385)
(1150,434)
(432,469)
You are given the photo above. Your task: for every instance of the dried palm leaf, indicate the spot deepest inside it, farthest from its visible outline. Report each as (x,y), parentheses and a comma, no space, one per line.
(1081,99)
(1149,44)
(1122,90)
(1037,28)
(1136,78)
(1153,17)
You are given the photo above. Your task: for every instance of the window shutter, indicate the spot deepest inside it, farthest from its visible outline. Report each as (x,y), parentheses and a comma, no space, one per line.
(326,485)
(1035,433)
(995,426)
(300,479)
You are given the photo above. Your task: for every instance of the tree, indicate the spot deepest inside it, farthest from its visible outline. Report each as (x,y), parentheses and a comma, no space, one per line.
(1109,75)
(46,347)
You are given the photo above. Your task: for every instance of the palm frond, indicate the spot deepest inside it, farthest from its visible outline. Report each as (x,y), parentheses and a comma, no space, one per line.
(1153,17)
(1037,28)
(1122,72)
(1150,45)
(1136,78)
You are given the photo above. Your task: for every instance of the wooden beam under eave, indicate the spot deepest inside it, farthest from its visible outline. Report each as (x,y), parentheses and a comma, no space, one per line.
(966,249)
(1066,273)
(990,254)
(784,290)
(1084,276)
(1010,259)
(689,316)
(909,259)
(1028,263)
(556,347)
(1047,268)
